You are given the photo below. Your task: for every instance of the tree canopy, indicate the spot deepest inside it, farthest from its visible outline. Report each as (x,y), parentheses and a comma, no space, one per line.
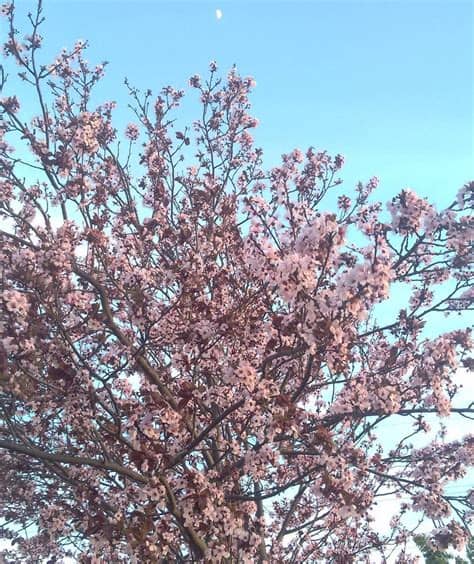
(192,367)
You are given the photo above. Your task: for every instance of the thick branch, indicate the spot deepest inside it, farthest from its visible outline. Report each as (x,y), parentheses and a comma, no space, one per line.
(74,460)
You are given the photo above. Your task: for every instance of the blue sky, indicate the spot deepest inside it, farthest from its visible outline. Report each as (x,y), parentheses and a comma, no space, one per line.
(387,84)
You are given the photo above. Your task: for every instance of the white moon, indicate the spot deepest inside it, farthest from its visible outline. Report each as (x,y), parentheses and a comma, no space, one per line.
(218,14)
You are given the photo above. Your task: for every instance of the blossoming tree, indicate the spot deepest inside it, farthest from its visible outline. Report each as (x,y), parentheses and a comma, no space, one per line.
(191,363)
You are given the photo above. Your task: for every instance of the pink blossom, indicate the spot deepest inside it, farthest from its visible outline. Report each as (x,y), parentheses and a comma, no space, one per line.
(199,360)
(132,132)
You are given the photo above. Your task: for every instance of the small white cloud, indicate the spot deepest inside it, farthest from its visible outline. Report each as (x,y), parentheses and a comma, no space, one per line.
(219,14)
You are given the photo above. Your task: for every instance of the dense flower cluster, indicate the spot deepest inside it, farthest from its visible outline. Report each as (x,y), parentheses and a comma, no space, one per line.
(192,366)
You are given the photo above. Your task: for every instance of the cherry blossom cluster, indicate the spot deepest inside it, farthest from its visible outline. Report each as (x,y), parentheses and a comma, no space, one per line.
(193,367)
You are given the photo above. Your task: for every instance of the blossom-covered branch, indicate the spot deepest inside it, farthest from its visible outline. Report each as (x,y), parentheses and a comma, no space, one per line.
(192,362)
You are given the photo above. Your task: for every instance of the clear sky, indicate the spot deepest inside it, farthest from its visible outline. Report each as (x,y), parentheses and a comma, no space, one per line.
(387,84)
